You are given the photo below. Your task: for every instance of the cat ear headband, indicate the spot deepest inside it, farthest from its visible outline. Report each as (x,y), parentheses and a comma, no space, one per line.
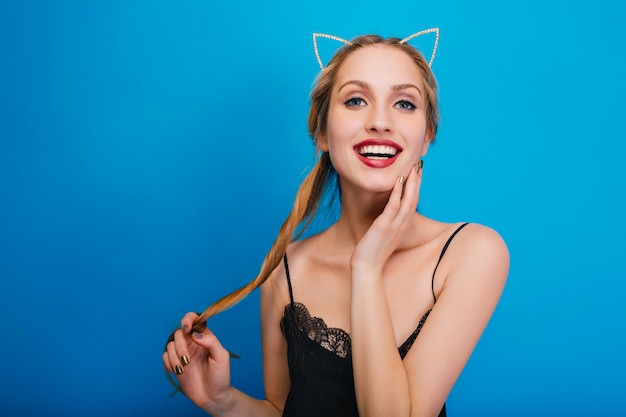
(405,40)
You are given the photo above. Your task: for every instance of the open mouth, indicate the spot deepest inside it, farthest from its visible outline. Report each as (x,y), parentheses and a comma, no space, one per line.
(377,151)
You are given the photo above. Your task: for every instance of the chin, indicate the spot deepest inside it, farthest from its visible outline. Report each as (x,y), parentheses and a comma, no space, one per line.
(377,181)
(379,185)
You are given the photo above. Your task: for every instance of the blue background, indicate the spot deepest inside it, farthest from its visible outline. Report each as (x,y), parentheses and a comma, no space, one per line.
(149,151)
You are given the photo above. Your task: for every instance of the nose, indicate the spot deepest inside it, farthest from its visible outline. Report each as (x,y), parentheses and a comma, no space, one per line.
(379,120)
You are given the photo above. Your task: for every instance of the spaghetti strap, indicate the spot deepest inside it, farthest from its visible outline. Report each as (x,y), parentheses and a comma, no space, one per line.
(443,251)
(288,278)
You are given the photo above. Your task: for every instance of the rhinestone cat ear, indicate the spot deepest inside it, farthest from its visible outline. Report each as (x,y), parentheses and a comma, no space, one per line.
(424,32)
(405,40)
(324,35)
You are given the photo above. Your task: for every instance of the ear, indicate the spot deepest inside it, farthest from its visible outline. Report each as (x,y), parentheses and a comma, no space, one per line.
(322,143)
(324,35)
(426,144)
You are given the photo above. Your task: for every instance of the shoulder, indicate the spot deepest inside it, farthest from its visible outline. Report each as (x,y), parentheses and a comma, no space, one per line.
(276,288)
(482,244)
(478,253)
(307,256)
(476,239)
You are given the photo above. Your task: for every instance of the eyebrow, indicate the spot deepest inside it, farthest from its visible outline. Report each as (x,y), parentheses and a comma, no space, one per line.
(405,86)
(366,86)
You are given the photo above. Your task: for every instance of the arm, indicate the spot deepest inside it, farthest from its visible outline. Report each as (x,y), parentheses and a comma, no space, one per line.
(380,380)
(475,273)
(476,269)
(274,298)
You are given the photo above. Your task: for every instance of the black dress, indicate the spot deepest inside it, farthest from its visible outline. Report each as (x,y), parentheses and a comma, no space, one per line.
(320,360)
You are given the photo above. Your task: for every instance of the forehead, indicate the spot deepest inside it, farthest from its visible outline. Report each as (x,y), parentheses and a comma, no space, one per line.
(379,65)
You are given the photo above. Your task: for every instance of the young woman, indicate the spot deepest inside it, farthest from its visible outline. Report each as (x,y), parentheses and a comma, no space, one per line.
(378,314)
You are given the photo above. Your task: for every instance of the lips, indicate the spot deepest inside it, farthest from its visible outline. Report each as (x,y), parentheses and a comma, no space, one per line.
(377,153)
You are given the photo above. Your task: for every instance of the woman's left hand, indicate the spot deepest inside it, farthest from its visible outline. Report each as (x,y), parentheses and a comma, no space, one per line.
(386,233)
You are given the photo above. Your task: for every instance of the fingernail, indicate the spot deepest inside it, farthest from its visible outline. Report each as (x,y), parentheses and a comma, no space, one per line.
(420,164)
(184,360)
(197,335)
(178,369)
(401,180)
(185,328)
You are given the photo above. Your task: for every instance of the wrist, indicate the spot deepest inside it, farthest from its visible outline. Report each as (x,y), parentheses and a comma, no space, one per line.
(221,403)
(364,272)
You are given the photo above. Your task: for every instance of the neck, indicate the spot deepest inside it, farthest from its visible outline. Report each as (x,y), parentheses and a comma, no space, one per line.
(358,212)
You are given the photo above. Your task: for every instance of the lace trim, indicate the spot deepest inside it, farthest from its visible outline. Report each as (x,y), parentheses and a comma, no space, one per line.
(406,346)
(333,339)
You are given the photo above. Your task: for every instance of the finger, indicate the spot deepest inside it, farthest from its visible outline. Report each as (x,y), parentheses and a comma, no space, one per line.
(173,356)
(210,342)
(393,205)
(418,185)
(420,170)
(411,191)
(166,360)
(181,341)
(187,322)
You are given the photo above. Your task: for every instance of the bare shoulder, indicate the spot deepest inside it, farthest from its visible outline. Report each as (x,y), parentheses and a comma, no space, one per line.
(483,244)
(299,252)
(480,253)
(481,240)
(308,245)
(319,250)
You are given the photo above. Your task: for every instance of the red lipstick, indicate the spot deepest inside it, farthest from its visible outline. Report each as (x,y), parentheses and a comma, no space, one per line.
(377,153)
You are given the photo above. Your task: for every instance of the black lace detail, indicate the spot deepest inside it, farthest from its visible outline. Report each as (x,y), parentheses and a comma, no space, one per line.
(406,346)
(333,339)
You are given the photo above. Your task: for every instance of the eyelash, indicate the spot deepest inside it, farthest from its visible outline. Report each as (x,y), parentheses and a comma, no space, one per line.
(351,101)
(402,104)
(406,105)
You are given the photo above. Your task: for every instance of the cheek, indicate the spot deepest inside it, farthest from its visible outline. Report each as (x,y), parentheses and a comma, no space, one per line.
(339,136)
(343,125)
(335,131)
(416,135)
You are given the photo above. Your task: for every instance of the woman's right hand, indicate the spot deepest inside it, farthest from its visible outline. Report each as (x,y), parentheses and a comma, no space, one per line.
(201,365)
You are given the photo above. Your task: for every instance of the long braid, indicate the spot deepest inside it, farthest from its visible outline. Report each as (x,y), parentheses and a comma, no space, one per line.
(305,205)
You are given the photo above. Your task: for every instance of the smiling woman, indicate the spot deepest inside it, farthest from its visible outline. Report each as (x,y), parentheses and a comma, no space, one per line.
(367,317)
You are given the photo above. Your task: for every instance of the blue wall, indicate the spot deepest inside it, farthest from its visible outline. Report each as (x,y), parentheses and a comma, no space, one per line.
(150,150)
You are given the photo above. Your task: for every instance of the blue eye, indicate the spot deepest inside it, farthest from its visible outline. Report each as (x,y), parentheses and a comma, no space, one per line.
(355,102)
(405,105)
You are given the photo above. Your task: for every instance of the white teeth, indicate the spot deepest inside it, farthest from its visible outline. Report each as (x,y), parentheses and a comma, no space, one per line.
(378,150)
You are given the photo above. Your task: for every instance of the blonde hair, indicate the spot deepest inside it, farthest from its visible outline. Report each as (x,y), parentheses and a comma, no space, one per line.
(312,188)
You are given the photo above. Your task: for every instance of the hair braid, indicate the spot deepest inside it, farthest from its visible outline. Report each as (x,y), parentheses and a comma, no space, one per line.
(305,205)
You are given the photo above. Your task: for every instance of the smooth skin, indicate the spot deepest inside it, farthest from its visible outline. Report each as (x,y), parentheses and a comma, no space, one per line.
(370,272)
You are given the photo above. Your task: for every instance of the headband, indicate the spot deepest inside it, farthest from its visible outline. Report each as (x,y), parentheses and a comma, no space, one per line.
(405,40)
